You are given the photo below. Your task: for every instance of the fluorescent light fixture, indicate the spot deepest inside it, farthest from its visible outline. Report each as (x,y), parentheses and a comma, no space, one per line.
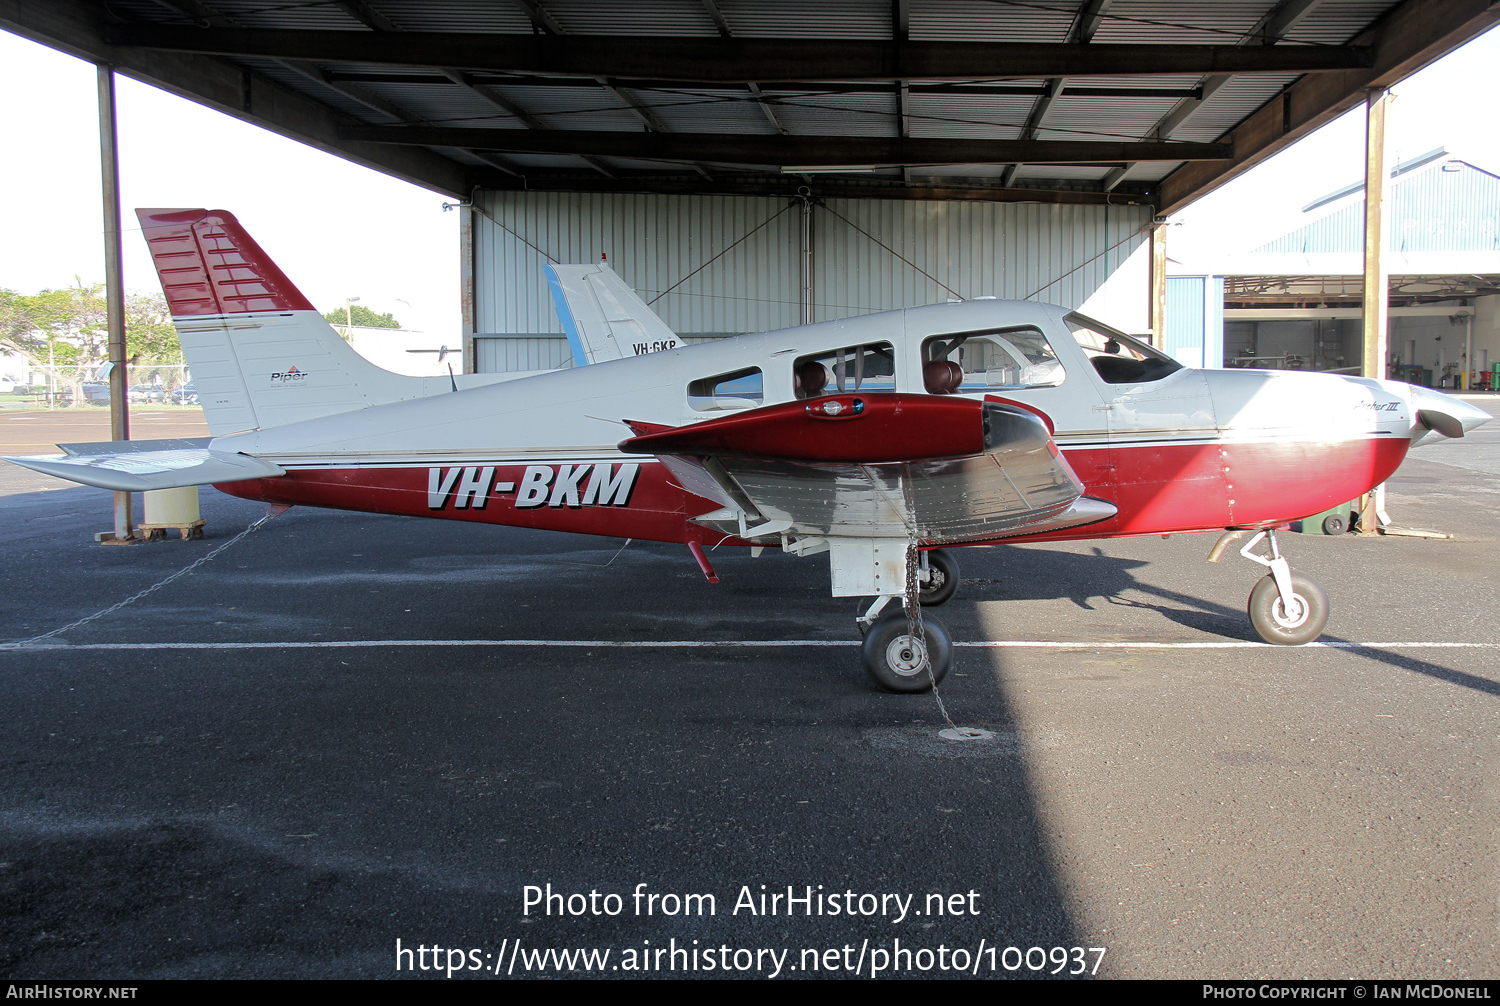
(827,169)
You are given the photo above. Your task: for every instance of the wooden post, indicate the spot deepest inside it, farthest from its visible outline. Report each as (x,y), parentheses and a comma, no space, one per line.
(114,287)
(1158,283)
(1377,274)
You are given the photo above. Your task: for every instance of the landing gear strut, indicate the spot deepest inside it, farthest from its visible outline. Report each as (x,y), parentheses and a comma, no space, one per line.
(905,651)
(1287,609)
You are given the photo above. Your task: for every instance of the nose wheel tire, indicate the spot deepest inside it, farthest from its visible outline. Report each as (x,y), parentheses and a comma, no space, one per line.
(942,571)
(893,657)
(1275,624)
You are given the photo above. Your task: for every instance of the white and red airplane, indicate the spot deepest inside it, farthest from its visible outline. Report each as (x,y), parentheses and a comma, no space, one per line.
(884,440)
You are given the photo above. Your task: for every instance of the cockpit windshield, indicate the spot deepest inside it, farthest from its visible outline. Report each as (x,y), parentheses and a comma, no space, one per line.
(1117,357)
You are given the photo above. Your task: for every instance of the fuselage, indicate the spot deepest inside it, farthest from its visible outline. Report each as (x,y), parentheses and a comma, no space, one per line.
(1193,450)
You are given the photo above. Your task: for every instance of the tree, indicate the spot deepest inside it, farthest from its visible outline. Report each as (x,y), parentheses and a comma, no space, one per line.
(363,317)
(71,328)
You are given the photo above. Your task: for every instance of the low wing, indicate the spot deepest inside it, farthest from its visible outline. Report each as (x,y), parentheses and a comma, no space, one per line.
(892,466)
(143,465)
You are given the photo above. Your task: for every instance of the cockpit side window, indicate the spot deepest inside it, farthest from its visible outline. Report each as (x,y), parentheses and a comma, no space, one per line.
(867,368)
(968,362)
(739,389)
(1117,357)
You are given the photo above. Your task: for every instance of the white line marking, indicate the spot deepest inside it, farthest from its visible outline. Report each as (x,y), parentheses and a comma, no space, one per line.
(679,644)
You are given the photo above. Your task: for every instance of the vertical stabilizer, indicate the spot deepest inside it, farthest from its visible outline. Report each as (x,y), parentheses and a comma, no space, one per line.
(603,316)
(260,355)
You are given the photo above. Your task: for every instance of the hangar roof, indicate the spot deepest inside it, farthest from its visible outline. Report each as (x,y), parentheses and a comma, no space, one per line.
(1036,100)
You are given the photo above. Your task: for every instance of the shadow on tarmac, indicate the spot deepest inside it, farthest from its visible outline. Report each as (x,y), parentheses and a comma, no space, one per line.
(294,813)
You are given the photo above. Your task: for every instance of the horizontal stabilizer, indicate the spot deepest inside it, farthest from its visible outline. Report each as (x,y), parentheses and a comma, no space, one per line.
(144,465)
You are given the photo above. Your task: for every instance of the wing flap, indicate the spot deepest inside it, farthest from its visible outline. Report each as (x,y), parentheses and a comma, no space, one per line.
(905,466)
(144,465)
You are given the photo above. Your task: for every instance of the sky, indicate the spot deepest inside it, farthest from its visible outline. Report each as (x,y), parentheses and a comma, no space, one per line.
(337,229)
(1444,105)
(340,230)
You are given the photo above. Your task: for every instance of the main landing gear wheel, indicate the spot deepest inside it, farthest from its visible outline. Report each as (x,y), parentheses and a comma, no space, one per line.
(893,657)
(1275,624)
(942,578)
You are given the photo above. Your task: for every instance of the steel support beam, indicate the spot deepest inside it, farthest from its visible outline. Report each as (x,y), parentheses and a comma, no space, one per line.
(1269,30)
(790,151)
(114,287)
(739,59)
(803,88)
(468,300)
(1410,37)
(821,186)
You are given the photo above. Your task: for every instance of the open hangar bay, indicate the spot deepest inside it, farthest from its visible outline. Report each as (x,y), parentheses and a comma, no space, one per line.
(197,807)
(279,811)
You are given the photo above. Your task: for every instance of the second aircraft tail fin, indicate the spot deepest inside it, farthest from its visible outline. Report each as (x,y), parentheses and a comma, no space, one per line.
(604,318)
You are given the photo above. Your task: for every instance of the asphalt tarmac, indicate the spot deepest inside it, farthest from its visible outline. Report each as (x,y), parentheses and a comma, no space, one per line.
(269,810)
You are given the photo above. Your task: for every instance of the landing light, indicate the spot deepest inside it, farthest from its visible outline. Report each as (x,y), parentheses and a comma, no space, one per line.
(833,408)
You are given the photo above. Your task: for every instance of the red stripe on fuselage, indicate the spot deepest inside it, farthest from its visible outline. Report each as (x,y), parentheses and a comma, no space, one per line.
(656,509)
(1157,488)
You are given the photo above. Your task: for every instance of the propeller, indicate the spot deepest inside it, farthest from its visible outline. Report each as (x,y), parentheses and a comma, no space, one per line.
(1440,422)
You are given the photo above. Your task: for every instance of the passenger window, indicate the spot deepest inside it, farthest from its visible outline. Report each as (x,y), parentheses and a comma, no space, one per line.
(742,389)
(867,368)
(1117,357)
(989,360)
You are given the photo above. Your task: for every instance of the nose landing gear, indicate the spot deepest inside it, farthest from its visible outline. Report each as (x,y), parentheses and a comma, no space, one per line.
(1286,609)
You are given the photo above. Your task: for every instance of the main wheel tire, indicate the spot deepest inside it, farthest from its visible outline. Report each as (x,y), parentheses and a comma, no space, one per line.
(1334,524)
(1272,622)
(893,658)
(942,569)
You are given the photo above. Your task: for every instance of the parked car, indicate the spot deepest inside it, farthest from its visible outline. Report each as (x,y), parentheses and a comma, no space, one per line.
(186,395)
(93,393)
(146,393)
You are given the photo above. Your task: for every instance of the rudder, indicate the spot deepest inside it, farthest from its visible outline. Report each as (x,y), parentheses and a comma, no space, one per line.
(259,353)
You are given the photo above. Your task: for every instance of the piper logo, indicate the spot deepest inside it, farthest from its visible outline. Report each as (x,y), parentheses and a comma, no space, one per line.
(572,486)
(289,376)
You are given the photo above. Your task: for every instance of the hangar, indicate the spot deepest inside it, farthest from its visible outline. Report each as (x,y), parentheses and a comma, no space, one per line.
(1293,301)
(286,812)
(753,165)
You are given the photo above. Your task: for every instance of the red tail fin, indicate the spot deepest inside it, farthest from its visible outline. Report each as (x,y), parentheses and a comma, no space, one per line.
(208,264)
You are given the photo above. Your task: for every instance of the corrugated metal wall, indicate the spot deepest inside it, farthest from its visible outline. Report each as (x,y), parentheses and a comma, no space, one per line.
(1194,331)
(1016,251)
(1432,209)
(726,264)
(497,354)
(541,351)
